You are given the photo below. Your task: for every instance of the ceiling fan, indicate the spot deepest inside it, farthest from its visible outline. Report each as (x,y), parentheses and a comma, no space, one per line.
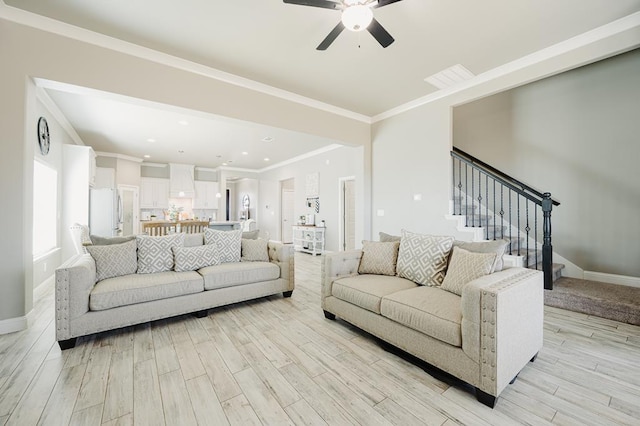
(357,15)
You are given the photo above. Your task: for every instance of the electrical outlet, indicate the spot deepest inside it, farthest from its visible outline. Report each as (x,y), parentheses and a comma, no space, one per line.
(380,212)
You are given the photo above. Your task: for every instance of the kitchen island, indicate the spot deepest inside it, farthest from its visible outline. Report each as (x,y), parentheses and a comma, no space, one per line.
(224,225)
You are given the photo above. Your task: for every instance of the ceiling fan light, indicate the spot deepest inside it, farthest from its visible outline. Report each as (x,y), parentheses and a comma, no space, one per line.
(357,17)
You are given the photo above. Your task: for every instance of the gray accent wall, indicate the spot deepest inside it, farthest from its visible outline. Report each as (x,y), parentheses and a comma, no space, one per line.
(576,135)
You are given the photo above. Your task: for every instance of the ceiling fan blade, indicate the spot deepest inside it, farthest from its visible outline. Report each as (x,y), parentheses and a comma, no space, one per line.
(331,37)
(383,3)
(379,33)
(325,4)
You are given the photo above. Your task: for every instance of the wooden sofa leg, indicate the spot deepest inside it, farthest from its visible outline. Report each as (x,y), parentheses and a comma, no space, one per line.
(67,344)
(534,358)
(287,293)
(329,315)
(485,398)
(200,314)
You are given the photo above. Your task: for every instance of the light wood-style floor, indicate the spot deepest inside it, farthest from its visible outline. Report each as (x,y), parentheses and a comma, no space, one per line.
(278,361)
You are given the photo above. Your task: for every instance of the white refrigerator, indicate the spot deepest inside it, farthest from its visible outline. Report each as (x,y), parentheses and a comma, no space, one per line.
(105,212)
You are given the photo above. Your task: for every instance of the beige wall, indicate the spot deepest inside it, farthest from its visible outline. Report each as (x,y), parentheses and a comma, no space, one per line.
(575,135)
(31,53)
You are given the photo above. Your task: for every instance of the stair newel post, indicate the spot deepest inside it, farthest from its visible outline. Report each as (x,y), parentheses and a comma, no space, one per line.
(547,250)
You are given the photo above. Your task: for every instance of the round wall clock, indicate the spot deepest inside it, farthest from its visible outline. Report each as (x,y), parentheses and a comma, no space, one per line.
(43,136)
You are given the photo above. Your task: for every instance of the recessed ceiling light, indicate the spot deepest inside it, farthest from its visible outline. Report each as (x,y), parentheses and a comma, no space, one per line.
(245,153)
(183,122)
(151,140)
(224,164)
(266,159)
(267,139)
(229,161)
(147,156)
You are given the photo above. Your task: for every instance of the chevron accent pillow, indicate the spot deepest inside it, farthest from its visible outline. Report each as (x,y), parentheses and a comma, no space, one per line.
(379,257)
(229,243)
(466,266)
(194,258)
(114,260)
(423,258)
(155,253)
(255,250)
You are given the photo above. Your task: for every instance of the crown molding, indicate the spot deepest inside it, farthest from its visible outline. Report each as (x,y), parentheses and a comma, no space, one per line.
(629,22)
(301,157)
(82,34)
(206,169)
(119,156)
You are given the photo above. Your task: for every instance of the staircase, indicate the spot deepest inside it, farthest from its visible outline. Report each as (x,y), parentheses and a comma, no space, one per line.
(493,205)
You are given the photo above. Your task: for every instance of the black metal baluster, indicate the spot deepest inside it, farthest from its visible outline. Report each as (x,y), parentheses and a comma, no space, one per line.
(460,186)
(502,213)
(479,199)
(535,231)
(494,208)
(473,199)
(518,228)
(453,183)
(527,229)
(510,222)
(466,194)
(486,204)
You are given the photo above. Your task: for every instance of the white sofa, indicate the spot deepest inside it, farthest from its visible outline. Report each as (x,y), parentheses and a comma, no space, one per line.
(483,337)
(85,306)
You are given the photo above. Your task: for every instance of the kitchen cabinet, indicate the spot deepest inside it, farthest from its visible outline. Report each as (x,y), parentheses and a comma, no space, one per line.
(206,195)
(308,239)
(154,193)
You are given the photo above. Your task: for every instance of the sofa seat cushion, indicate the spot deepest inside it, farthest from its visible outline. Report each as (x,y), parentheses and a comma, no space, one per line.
(366,291)
(238,273)
(139,288)
(430,310)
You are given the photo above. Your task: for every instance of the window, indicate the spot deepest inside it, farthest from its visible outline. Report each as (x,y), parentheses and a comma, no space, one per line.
(45,208)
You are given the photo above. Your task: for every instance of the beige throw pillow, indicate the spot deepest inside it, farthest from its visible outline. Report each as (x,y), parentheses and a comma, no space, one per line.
(423,258)
(388,238)
(255,250)
(379,258)
(497,246)
(466,266)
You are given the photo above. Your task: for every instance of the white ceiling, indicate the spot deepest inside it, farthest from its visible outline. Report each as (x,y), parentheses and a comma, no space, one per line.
(274,43)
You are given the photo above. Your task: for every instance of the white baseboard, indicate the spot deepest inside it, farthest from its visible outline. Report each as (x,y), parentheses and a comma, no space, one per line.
(612,278)
(12,325)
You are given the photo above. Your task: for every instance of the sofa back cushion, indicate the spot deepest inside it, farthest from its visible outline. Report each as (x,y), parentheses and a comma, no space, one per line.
(193,240)
(114,260)
(155,254)
(228,243)
(379,258)
(423,258)
(466,266)
(194,258)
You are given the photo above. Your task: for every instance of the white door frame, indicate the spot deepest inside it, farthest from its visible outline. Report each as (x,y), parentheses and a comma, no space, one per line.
(136,204)
(341,212)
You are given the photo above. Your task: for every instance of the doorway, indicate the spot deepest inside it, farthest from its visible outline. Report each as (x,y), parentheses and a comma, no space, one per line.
(128,210)
(287,210)
(347,218)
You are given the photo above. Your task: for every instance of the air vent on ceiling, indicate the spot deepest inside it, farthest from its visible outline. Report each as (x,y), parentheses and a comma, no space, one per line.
(450,77)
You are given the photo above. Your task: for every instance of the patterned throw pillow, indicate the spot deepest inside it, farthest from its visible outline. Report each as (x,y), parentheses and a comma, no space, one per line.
(255,250)
(194,258)
(497,246)
(114,260)
(379,258)
(229,243)
(423,258)
(388,238)
(155,253)
(466,266)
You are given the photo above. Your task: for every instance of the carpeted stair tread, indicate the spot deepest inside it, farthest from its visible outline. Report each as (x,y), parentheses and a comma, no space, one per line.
(616,302)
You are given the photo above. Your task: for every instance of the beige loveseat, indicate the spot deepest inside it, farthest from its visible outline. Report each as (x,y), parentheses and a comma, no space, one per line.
(85,305)
(483,337)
